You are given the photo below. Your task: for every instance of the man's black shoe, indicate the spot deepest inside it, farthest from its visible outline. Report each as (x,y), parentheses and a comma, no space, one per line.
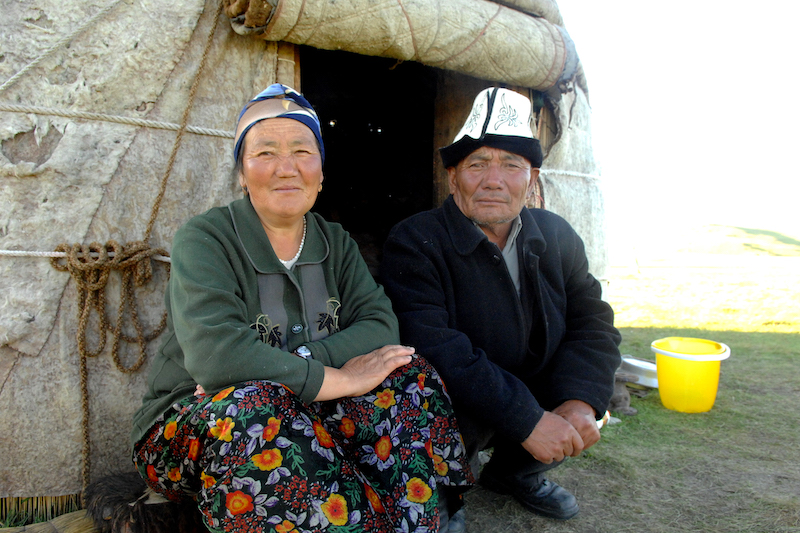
(536,493)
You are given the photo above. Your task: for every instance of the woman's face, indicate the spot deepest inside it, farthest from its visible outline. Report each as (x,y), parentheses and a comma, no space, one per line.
(282,170)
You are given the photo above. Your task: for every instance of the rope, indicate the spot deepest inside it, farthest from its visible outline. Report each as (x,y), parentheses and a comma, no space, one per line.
(58,44)
(569,173)
(20,253)
(131,121)
(91,266)
(184,121)
(166,259)
(538,189)
(133,261)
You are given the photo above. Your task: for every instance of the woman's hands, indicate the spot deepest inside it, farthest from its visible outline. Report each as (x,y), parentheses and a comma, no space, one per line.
(359,375)
(363,373)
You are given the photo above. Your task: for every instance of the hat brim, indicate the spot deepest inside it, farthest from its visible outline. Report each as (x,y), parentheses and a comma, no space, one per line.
(530,149)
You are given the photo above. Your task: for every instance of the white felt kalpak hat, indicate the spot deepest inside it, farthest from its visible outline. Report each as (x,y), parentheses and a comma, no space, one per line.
(500,118)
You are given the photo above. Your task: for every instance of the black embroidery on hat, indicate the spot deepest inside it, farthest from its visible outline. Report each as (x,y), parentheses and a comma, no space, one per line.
(507,114)
(472,121)
(330,319)
(269,333)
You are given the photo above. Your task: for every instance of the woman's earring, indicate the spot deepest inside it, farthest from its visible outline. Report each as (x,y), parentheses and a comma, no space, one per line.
(244,189)
(320,188)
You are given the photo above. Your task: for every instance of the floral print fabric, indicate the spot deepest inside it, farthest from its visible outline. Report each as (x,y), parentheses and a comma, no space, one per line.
(256,458)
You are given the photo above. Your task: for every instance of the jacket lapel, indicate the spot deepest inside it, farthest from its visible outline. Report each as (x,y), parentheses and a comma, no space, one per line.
(463,233)
(256,244)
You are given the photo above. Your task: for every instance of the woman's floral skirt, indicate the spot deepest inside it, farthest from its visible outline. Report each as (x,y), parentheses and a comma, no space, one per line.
(256,458)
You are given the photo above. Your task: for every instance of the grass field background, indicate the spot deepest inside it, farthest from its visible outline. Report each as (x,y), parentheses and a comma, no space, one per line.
(735,468)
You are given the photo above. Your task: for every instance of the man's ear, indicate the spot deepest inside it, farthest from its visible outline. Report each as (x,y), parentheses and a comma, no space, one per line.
(451,179)
(532,182)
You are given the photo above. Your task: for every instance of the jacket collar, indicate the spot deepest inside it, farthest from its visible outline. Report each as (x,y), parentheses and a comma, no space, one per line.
(466,237)
(256,244)
(531,233)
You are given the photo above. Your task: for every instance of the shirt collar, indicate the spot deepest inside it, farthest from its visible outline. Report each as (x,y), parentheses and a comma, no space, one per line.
(516,227)
(466,237)
(256,244)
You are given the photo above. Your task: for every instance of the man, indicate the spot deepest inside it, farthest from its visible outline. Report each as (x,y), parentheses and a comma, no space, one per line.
(499,298)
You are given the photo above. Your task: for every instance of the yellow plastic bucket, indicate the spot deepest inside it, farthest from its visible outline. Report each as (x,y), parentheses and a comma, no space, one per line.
(688,372)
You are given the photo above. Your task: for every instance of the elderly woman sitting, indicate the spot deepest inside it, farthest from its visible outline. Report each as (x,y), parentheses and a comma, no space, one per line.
(280,398)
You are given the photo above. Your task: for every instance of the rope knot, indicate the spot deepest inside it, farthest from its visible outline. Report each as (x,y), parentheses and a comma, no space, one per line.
(91,267)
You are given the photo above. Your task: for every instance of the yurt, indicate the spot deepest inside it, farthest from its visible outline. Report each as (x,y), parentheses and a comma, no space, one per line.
(116,121)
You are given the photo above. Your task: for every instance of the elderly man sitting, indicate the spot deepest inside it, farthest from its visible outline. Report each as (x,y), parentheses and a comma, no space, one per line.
(500,299)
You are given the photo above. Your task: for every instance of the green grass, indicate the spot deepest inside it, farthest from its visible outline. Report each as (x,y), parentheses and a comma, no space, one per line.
(16,520)
(19,512)
(774,235)
(735,468)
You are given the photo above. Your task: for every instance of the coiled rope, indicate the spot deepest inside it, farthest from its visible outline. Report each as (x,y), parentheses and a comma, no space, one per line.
(91,265)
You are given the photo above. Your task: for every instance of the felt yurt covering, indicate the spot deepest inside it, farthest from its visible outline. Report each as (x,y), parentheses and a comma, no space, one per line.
(93,97)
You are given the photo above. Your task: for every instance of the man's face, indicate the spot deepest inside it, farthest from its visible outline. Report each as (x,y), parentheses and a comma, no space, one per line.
(491,186)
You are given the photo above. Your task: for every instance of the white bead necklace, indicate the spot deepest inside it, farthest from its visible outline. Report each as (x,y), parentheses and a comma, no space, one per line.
(290,263)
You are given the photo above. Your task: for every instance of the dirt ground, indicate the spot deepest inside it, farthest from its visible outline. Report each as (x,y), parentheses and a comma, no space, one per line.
(735,468)
(744,481)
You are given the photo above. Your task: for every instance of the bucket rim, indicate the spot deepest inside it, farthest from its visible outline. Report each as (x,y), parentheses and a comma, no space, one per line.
(724,354)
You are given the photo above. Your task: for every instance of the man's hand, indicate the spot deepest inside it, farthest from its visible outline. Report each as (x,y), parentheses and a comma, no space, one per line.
(553,439)
(582,417)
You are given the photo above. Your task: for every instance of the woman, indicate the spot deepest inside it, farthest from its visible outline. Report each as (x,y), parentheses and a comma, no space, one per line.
(280,398)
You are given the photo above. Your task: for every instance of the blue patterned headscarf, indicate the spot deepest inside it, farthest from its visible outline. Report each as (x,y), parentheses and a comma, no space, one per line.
(276,101)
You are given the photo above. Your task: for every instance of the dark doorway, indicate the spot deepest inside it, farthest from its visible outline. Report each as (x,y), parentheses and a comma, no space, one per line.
(377,126)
